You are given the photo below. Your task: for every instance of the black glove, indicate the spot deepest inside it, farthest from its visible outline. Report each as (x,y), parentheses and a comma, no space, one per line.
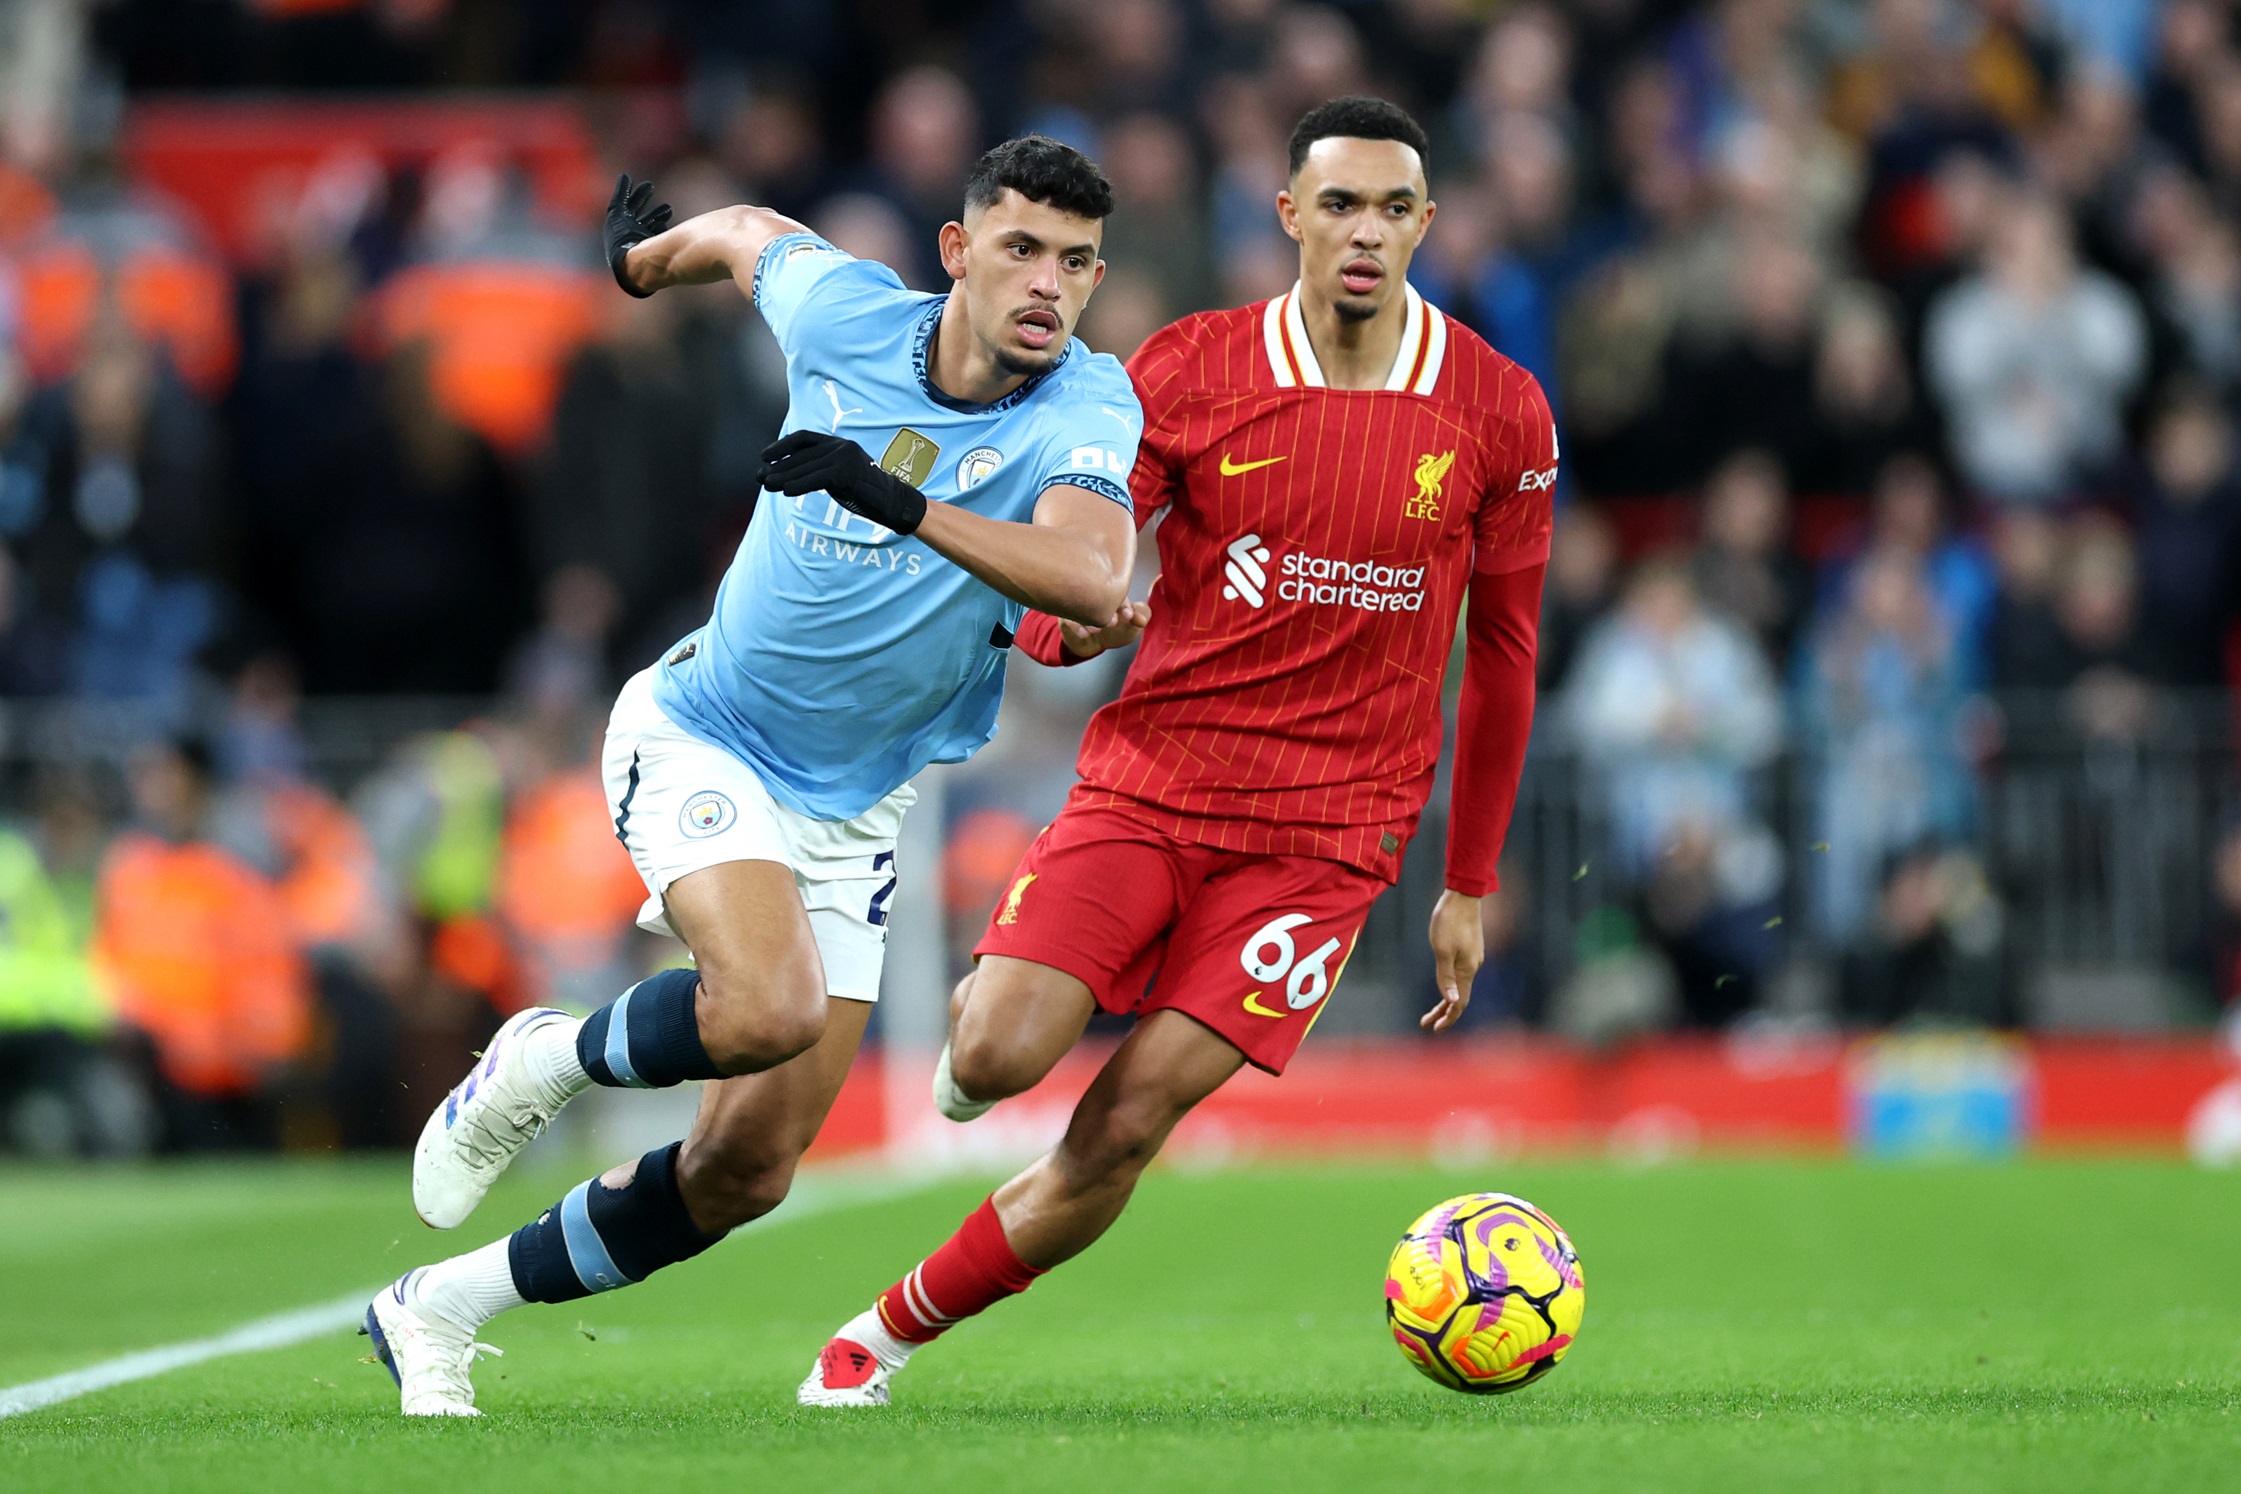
(629,222)
(812,462)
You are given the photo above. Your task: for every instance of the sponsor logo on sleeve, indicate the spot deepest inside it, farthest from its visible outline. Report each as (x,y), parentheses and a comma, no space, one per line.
(1535,482)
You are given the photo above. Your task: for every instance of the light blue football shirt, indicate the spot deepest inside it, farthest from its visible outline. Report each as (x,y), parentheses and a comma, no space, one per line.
(842,657)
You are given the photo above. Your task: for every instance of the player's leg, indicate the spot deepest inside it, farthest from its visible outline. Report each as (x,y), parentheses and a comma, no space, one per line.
(619,1228)
(1010,1021)
(1080,926)
(1248,967)
(716,852)
(1047,1214)
(752,999)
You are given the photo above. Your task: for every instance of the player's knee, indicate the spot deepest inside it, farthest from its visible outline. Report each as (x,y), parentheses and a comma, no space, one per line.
(755,1021)
(725,1188)
(984,1065)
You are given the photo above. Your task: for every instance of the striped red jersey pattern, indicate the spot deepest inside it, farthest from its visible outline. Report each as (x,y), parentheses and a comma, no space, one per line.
(1317,542)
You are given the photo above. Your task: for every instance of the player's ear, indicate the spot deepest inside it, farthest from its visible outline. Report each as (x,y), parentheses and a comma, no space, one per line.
(1097,276)
(1424,226)
(1287,214)
(954,242)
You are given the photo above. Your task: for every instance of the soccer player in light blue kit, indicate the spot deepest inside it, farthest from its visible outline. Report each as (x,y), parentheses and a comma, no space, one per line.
(948,461)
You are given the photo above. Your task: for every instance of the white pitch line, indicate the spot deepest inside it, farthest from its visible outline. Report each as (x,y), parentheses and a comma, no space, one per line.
(287,1328)
(276,1332)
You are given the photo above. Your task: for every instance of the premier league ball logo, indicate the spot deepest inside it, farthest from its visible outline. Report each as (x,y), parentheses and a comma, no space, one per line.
(706,813)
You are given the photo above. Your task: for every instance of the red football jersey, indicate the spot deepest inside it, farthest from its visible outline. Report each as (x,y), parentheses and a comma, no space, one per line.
(1286,698)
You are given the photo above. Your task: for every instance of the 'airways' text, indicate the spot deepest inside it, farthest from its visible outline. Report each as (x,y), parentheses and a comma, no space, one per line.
(851,552)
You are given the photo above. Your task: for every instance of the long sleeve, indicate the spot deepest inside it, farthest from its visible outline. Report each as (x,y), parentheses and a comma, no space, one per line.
(1040,639)
(1501,625)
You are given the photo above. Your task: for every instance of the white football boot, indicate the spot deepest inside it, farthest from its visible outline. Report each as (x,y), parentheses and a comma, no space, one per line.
(950,1100)
(482,1125)
(429,1357)
(847,1374)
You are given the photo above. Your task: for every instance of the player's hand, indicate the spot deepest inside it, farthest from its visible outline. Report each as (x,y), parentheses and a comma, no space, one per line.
(814,462)
(631,222)
(1458,949)
(1128,624)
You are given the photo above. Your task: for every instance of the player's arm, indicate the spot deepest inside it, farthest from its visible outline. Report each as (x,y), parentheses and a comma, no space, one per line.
(1501,630)
(648,255)
(1059,642)
(1072,560)
(1494,719)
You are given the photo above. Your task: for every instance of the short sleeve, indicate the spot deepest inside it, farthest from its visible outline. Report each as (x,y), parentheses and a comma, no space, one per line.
(1096,447)
(1517,514)
(798,271)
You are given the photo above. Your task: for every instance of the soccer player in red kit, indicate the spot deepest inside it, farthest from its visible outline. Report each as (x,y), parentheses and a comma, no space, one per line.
(1345,471)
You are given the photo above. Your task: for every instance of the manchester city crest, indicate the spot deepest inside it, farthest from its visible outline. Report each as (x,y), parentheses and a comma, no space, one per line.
(976,464)
(706,813)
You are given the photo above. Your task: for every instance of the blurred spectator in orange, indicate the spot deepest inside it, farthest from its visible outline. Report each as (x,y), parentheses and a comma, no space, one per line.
(567,890)
(499,335)
(198,951)
(979,862)
(339,908)
(165,296)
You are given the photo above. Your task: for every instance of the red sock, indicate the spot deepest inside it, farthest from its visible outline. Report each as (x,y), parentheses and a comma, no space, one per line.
(971,1273)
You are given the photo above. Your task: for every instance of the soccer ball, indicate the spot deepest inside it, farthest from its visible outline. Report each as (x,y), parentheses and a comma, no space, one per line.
(1484,1293)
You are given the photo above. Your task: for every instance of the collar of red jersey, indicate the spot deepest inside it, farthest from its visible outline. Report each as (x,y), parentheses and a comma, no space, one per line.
(1416,366)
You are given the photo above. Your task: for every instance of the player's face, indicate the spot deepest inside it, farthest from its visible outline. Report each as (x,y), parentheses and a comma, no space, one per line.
(1026,270)
(1358,208)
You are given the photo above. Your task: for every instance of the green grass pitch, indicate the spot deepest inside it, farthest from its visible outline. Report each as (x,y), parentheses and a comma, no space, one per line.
(1750,1325)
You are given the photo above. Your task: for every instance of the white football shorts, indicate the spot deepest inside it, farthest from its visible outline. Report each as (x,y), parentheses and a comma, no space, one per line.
(680,804)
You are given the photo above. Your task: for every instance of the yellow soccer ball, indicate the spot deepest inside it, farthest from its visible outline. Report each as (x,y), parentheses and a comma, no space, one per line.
(1484,1293)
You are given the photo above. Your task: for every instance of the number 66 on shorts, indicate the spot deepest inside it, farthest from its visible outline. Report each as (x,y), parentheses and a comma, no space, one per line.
(1149,920)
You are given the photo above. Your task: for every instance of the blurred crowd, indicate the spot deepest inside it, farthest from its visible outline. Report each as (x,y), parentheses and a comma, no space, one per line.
(1895,347)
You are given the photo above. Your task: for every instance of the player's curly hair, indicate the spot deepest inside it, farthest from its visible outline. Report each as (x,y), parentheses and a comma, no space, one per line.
(1042,170)
(1357,116)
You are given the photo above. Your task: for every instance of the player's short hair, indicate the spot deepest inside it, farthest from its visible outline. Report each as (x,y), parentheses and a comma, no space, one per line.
(1357,116)
(1042,170)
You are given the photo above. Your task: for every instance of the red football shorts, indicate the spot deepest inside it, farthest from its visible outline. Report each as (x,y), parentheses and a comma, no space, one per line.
(1249,945)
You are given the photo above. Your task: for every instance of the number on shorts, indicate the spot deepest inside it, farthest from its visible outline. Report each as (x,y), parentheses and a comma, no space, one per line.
(1310,976)
(876,915)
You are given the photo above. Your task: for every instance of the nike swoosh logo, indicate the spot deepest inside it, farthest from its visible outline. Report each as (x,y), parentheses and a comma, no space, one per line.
(1231,467)
(1253,1002)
